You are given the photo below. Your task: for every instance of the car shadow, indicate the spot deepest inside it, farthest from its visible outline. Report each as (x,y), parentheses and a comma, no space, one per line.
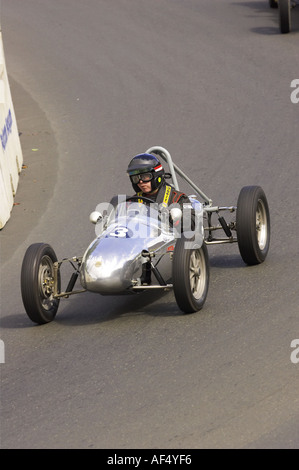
(227,261)
(107,308)
(90,308)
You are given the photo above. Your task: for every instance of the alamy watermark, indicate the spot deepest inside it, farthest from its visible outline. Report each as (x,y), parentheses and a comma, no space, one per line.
(2,352)
(295,354)
(295,93)
(134,220)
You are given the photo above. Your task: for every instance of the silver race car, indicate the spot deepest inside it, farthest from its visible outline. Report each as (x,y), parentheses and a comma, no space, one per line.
(139,247)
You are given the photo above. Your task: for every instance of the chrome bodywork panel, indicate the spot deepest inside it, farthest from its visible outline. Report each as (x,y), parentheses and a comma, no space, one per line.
(112,263)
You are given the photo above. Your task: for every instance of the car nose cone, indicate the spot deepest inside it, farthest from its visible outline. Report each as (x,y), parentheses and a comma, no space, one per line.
(109,265)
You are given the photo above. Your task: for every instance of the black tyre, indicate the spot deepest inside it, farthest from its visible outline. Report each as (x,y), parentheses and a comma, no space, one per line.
(190,276)
(37,283)
(253,225)
(284,7)
(273,4)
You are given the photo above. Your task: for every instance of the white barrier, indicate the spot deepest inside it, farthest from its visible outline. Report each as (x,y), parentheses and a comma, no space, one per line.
(11,157)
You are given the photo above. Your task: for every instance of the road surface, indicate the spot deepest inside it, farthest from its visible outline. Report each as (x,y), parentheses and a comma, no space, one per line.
(93,84)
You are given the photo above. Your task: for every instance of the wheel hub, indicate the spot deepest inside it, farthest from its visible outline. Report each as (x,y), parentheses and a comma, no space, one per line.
(46,280)
(261,225)
(196,274)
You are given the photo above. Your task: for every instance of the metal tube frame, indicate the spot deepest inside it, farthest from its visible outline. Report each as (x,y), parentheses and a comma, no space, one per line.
(209,209)
(162,152)
(57,265)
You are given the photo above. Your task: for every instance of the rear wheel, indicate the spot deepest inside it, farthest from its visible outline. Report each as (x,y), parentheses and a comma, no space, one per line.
(190,275)
(253,225)
(284,16)
(37,283)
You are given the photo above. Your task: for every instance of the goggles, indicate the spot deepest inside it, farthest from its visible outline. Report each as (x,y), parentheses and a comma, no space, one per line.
(145,177)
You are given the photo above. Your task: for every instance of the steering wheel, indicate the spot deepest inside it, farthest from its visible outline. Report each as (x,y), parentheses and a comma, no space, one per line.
(136,198)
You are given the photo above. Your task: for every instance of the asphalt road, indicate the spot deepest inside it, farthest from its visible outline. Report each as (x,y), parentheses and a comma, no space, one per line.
(93,84)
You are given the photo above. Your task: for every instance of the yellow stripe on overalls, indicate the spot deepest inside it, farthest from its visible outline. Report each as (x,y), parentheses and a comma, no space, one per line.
(166,196)
(140,200)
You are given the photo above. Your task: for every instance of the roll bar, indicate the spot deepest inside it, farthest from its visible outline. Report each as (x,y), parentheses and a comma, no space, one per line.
(163,153)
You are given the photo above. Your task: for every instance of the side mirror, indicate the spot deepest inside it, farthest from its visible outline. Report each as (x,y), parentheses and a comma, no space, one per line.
(95,216)
(175,214)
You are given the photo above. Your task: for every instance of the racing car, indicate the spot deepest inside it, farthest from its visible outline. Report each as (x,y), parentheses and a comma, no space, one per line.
(138,248)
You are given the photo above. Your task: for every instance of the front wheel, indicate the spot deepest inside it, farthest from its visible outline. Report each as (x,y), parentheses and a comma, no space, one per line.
(190,275)
(37,283)
(253,225)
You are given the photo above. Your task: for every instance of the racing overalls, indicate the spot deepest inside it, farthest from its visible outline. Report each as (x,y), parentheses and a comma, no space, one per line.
(167,195)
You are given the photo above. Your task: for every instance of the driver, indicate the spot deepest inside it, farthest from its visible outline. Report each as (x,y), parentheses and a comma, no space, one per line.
(148,180)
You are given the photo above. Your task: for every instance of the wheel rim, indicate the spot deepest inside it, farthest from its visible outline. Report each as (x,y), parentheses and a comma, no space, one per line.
(46,282)
(197,274)
(261,225)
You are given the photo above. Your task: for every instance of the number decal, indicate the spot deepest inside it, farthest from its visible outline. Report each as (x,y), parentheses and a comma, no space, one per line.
(120,232)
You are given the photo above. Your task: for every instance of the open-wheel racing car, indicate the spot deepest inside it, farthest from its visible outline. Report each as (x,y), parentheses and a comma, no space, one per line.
(138,248)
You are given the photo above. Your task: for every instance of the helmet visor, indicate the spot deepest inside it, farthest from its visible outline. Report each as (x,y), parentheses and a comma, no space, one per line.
(145,177)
